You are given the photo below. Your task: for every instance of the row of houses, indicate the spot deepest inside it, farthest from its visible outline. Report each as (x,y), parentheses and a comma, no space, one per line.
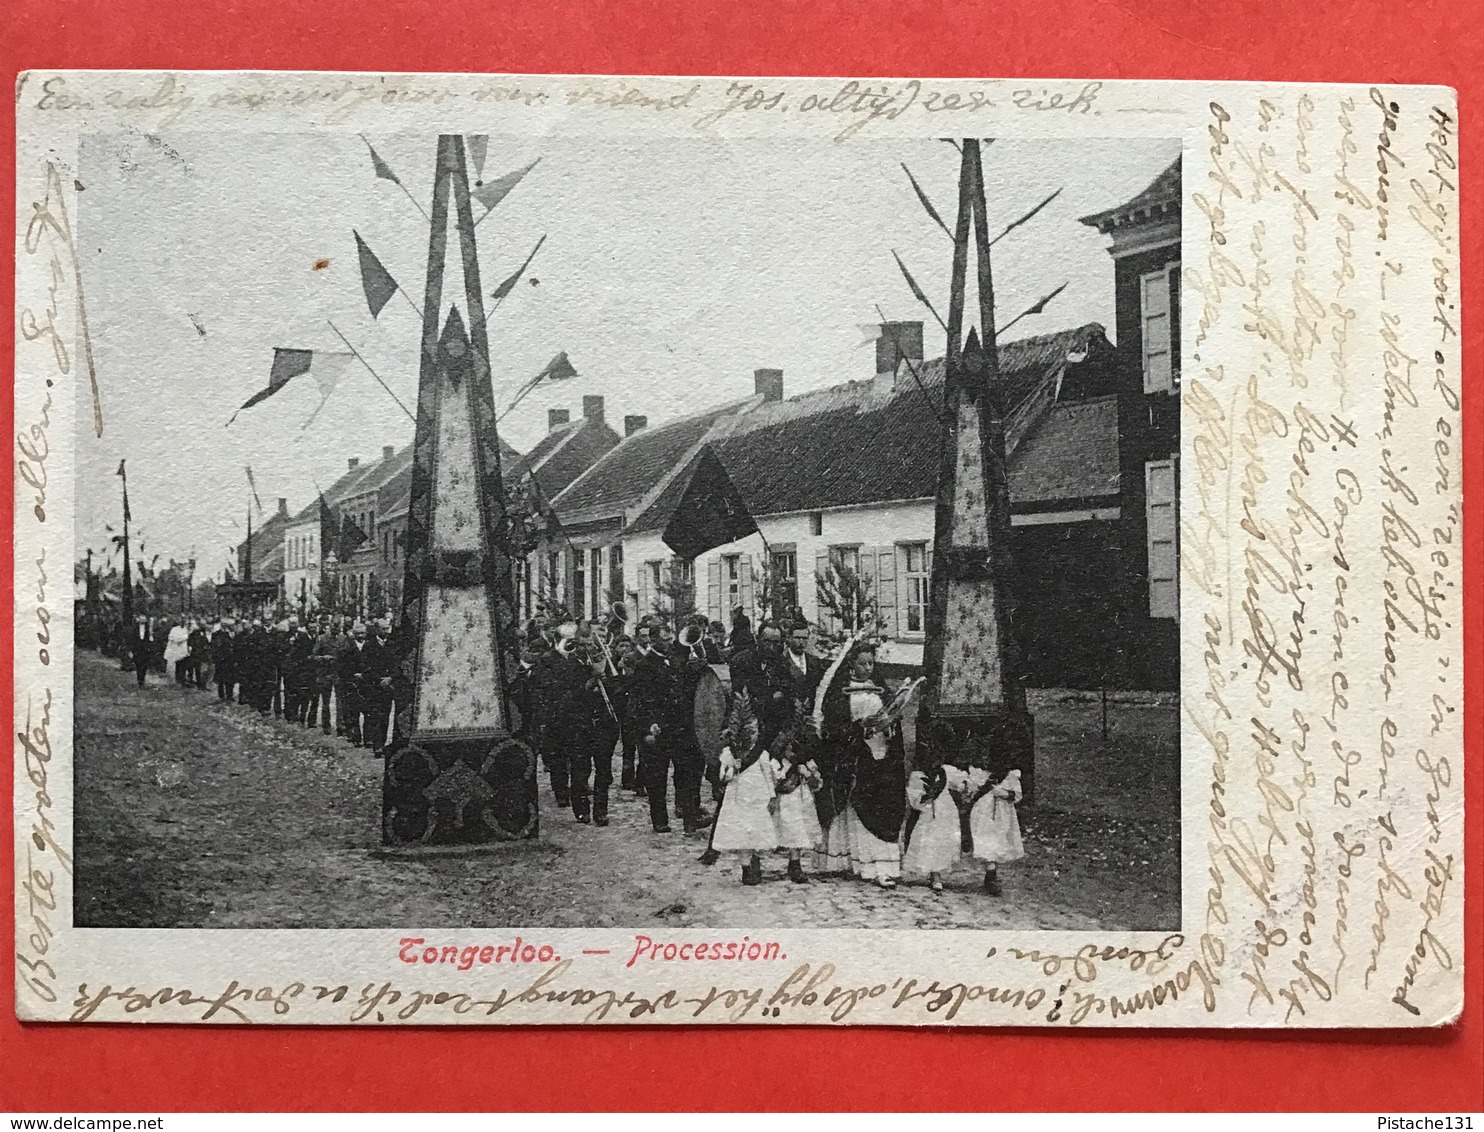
(845,478)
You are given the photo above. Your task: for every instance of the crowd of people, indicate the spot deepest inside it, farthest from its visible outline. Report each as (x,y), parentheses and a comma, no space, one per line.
(333,671)
(809,760)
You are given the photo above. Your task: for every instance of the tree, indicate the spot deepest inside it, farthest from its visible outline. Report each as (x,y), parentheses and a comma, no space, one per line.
(676,596)
(845,596)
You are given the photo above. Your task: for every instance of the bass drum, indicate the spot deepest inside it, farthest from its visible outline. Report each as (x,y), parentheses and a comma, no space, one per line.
(713,700)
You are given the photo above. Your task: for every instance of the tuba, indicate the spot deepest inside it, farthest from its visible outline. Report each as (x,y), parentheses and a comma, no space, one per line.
(618,619)
(691,637)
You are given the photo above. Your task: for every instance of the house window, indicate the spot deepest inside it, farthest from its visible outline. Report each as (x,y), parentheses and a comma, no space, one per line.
(846,563)
(731,580)
(656,570)
(595,582)
(687,571)
(816,523)
(1161,502)
(615,572)
(915,586)
(579,583)
(1159,314)
(785,582)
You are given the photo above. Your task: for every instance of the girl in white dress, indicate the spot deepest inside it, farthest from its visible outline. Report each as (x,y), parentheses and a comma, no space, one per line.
(995,825)
(769,798)
(934,835)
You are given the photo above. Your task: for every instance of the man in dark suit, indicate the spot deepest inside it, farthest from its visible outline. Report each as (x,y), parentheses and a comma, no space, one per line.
(298,675)
(141,648)
(376,686)
(356,660)
(222,659)
(664,717)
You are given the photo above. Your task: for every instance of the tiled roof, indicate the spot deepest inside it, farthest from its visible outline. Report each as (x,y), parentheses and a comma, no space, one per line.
(638,462)
(566,452)
(873,441)
(1071,454)
(1162,194)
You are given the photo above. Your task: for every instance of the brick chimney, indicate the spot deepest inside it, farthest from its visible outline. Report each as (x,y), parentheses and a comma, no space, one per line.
(354,462)
(592,408)
(768,383)
(555,418)
(283,506)
(388,451)
(634,423)
(898,340)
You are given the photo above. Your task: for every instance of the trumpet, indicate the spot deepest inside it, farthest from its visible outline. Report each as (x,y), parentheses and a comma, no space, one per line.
(691,637)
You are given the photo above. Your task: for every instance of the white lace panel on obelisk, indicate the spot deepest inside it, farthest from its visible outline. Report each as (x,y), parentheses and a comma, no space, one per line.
(971,639)
(456,670)
(970,507)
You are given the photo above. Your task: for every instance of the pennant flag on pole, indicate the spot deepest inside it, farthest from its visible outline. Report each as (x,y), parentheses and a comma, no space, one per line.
(1040,306)
(478,148)
(327,366)
(558,369)
(509,285)
(326,528)
(383,170)
(124,476)
(491,193)
(351,536)
(870,331)
(253,487)
(918,291)
(927,204)
(711,511)
(1010,228)
(376,280)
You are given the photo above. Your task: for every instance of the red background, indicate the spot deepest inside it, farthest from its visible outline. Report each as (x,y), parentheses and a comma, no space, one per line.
(154,1068)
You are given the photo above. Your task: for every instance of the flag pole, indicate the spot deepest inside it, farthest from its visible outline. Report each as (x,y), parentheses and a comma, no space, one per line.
(128,582)
(372,372)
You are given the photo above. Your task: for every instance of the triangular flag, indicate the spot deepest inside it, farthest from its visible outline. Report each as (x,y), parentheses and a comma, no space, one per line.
(491,193)
(253,487)
(509,285)
(376,280)
(710,512)
(351,536)
(478,146)
(870,332)
(558,369)
(287,364)
(326,528)
(383,170)
(327,369)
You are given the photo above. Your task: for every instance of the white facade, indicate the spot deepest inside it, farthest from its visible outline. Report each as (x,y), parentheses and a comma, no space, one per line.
(301,564)
(888,544)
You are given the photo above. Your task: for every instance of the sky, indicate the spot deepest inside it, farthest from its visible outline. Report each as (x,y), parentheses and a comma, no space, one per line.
(672,269)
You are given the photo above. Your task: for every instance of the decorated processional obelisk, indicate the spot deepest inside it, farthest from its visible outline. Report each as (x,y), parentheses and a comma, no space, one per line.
(973,708)
(454,772)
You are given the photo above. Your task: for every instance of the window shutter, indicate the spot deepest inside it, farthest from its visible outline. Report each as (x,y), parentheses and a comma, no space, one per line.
(1154,300)
(886,588)
(1160,502)
(713,590)
(744,589)
(821,570)
(642,586)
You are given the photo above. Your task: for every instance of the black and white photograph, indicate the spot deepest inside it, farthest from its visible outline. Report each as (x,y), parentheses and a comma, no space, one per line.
(585,532)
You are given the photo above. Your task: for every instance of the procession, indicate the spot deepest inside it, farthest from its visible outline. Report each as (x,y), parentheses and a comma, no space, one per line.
(600,662)
(809,763)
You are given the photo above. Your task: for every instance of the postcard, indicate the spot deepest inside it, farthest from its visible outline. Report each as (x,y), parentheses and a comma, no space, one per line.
(583,549)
